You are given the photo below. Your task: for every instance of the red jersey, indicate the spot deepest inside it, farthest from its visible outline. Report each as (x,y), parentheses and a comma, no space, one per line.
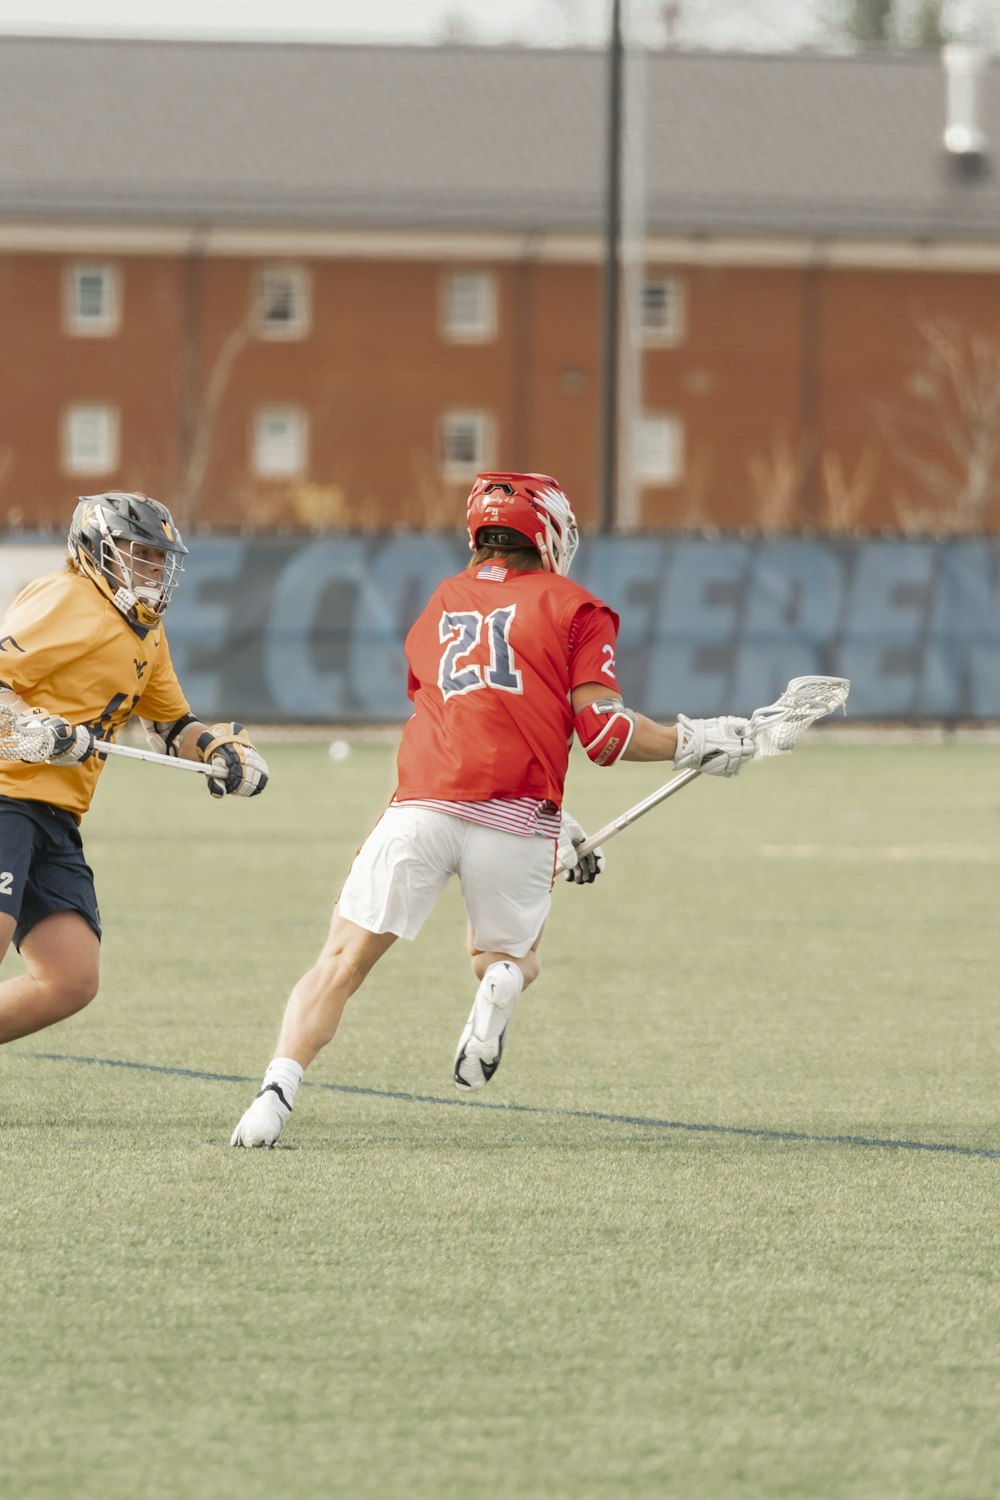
(493,659)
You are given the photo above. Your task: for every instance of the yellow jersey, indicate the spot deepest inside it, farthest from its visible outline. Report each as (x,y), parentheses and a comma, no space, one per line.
(65,647)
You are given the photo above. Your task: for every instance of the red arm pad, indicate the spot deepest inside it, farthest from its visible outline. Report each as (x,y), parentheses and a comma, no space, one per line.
(604,729)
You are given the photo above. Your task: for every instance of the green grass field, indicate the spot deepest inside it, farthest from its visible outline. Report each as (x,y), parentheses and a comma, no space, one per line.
(670,1252)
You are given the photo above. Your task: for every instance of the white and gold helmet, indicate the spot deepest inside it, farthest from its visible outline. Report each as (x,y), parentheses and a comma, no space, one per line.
(104,534)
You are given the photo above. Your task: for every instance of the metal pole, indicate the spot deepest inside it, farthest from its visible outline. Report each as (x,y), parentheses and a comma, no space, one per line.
(612,277)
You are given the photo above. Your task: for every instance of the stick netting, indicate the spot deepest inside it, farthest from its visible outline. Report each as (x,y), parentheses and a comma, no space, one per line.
(24,738)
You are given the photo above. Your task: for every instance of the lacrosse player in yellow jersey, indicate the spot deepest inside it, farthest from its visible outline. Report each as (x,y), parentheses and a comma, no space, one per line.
(81,651)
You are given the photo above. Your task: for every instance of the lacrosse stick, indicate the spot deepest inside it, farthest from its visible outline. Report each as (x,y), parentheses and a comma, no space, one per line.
(775,730)
(29,739)
(108,747)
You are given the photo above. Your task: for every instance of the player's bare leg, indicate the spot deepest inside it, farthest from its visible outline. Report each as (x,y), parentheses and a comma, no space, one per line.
(317,1002)
(311,1018)
(501,979)
(62,955)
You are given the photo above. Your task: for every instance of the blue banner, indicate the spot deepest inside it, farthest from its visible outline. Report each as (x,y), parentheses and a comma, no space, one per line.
(311,629)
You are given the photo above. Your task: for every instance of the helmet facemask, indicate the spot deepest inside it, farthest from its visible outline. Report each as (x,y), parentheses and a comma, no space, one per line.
(559,525)
(142,585)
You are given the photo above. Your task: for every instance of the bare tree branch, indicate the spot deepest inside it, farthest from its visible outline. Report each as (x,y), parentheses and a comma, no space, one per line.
(777,477)
(847,495)
(192,480)
(957,411)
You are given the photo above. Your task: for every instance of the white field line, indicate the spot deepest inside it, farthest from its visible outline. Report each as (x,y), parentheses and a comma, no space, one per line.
(896,852)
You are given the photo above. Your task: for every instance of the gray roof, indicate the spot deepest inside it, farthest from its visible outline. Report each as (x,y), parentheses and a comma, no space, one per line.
(244,133)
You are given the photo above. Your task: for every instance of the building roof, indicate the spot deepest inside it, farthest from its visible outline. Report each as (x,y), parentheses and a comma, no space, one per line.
(309,134)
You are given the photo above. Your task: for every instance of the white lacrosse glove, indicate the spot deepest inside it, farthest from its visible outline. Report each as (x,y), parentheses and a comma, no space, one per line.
(582,871)
(72,743)
(242,768)
(50,737)
(719,747)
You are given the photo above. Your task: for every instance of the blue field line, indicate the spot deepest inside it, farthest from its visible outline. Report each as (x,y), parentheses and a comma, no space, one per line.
(759,1132)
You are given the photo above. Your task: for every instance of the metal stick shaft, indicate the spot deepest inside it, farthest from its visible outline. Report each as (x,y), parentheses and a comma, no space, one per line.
(624,819)
(108,747)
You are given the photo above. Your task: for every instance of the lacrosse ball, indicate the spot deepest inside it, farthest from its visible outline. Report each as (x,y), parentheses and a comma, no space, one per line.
(339,750)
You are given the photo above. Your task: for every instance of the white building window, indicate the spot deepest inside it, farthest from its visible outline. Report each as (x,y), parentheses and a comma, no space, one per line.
(466,443)
(92,300)
(280,442)
(661,311)
(469,306)
(282,302)
(659,449)
(90,439)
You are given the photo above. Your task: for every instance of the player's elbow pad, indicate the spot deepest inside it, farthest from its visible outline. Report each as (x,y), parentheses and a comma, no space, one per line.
(604,729)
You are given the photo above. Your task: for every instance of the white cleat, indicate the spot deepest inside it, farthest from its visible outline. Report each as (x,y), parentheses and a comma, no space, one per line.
(480,1047)
(262,1122)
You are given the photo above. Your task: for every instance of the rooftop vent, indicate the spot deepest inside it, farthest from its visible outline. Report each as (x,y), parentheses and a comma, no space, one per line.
(963,140)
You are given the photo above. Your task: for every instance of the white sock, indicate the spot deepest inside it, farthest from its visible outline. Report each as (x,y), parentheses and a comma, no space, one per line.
(502,983)
(284,1074)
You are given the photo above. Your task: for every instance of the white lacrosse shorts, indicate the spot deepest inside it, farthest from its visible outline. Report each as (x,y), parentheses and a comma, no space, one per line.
(408,858)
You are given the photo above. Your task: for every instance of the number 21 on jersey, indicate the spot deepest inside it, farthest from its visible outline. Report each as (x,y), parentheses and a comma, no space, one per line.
(461,633)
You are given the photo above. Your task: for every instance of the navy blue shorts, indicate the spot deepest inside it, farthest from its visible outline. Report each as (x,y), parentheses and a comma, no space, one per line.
(42,868)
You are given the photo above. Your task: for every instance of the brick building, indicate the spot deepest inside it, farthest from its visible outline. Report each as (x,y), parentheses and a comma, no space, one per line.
(312,285)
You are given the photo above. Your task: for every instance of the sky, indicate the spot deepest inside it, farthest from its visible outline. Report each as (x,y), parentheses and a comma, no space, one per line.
(756,24)
(545,21)
(766,23)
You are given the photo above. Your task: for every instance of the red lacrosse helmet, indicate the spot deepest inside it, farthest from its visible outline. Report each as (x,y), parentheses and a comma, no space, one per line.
(533,506)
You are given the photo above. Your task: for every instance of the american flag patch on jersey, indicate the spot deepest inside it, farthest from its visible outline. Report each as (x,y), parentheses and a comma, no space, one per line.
(492,573)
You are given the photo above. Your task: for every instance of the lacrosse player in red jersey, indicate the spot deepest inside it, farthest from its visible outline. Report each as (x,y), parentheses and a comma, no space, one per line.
(505,662)
(81,651)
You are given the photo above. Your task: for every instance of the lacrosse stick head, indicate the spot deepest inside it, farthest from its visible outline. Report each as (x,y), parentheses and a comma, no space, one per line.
(23,737)
(777,729)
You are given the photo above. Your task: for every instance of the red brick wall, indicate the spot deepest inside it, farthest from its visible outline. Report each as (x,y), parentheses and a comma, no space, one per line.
(807,396)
